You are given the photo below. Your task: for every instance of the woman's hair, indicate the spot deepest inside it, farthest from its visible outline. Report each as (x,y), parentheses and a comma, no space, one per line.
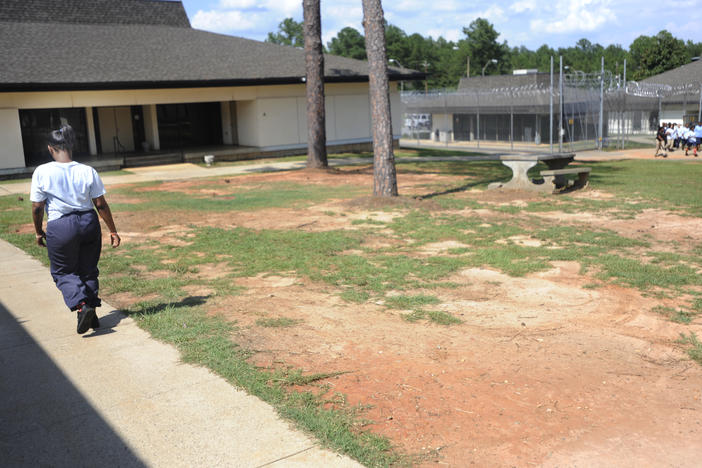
(62,139)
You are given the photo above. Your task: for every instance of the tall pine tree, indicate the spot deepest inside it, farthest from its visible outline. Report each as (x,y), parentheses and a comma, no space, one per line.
(314,64)
(384,174)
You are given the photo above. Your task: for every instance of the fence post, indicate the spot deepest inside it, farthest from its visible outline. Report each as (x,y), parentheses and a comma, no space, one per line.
(511,120)
(625,138)
(560,105)
(477,93)
(446,120)
(601,122)
(550,106)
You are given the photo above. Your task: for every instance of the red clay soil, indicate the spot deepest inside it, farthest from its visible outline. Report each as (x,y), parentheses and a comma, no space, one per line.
(542,371)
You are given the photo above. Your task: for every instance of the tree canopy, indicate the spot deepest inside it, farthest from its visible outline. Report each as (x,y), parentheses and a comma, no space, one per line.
(348,43)
(289,33)
(445,62)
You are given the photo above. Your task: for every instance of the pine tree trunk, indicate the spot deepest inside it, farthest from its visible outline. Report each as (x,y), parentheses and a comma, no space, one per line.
(314,64)
(384,175)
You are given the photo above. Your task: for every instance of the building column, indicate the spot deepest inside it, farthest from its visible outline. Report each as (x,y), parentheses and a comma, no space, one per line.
(90,124)
(151,126)
(225,110)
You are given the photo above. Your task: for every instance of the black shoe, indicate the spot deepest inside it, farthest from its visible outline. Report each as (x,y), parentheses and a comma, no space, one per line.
(86,314)
(95,324)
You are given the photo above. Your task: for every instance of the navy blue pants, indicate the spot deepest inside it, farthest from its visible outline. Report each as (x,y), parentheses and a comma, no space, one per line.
(73,243)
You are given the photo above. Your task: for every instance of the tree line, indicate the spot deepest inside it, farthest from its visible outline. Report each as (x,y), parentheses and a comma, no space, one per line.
(481,52)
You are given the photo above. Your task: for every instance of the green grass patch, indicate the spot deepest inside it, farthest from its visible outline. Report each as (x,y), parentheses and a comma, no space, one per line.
(673,314)
(632,272)
(238,198)
(693,345)
(671,184)
(278,322)
(354,295)
(410,302)
(436,316)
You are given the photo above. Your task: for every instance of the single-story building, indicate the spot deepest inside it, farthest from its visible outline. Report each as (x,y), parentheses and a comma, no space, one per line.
(134,79)
(507,108)
(518,107)
(679,91)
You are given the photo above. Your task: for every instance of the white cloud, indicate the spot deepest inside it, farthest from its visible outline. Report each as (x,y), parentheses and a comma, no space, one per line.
(523,5)
(494,13)
(236,4)
(448,34)
(222,21)
(558,23)
(577,16)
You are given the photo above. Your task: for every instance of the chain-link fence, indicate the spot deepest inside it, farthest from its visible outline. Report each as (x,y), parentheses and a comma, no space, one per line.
(568,112)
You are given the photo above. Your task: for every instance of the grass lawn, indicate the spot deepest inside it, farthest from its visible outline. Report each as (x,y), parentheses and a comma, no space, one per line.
(375,260)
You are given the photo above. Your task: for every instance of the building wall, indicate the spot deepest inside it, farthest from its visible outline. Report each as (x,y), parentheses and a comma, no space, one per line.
(246,119)
(262,116)
(672,116)
(11,151)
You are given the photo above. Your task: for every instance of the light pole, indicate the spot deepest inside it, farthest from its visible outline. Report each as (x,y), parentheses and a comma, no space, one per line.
(489,62)
(402,82)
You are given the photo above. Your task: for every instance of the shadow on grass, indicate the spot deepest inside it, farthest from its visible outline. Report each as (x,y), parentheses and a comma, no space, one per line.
(462,188)
(190,301)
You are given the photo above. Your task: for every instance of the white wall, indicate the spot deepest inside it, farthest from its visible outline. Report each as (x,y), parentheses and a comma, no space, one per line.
(247,123)
(11,149)
(672,116)
(352,117)
(116,121)
(278,122)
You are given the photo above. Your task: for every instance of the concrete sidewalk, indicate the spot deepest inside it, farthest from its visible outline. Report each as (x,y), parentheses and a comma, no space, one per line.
(117,397)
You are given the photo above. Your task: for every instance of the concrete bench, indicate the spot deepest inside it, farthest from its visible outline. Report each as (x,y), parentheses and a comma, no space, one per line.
(555,180)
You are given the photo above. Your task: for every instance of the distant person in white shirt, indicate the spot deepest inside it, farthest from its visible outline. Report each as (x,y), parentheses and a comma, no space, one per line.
(70,192)
(689,140)
(669,137)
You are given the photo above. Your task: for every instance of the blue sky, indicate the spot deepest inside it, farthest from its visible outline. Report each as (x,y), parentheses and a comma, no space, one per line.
(558,23)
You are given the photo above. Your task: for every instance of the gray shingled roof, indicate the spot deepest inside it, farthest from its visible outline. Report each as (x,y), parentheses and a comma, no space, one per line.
(690,73)
(156,12)
(63,56)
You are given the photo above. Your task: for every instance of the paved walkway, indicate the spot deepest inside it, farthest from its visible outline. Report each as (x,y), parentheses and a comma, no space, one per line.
(117,397)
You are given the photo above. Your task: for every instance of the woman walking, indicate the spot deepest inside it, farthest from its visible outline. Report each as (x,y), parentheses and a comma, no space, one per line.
(68,191)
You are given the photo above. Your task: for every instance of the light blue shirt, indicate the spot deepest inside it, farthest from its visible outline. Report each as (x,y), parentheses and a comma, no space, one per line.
(65,187)
(698,131)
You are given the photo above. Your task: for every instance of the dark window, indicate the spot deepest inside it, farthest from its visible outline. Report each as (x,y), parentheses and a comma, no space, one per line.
(36,125)
(189,125)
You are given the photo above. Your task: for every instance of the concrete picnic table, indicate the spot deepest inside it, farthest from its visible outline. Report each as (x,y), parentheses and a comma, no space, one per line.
(554,177)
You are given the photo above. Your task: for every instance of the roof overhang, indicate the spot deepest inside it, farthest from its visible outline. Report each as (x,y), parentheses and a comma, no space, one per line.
(112,86)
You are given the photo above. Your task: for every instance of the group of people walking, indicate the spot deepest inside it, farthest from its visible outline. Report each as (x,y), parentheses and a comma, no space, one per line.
(672,136)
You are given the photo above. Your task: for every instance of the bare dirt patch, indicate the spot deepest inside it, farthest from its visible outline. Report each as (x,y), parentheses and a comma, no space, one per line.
(542,371)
